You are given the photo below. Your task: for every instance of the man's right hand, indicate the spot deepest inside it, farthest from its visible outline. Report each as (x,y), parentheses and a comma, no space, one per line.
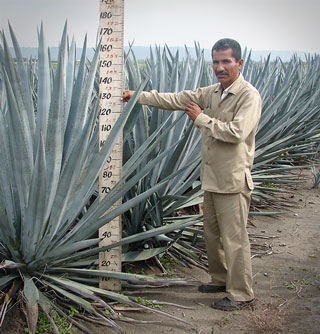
(126,95)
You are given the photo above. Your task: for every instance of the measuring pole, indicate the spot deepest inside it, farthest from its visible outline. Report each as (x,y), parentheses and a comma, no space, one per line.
(110,106)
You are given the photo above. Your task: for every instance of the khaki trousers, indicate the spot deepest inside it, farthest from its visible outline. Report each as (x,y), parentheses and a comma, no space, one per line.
(227,242)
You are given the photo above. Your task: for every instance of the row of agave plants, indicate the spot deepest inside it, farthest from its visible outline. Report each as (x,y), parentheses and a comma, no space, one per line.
(50,162)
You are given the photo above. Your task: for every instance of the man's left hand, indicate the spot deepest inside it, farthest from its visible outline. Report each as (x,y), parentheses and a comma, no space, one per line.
(193,110)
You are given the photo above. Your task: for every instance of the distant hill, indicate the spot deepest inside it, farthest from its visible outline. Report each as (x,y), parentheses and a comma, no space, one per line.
(28,52)
(143,52)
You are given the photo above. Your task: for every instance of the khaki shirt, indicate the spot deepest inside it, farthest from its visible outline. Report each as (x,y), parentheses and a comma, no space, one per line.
(228,130)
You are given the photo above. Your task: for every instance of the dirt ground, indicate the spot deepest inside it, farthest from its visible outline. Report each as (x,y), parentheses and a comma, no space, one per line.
(286,282)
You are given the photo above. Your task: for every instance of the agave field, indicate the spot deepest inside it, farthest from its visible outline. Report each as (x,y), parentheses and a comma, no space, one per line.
(50,162)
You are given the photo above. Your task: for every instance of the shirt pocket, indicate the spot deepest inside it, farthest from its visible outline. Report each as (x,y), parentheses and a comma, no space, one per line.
(249,180)
(226,114)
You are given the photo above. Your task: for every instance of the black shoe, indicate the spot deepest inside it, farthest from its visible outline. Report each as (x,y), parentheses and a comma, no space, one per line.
(210,288)
(226,304)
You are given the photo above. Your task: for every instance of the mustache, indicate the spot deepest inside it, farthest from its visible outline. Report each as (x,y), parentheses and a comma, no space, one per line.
(221,72)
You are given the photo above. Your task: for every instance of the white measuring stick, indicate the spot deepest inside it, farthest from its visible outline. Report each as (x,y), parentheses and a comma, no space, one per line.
(110,91)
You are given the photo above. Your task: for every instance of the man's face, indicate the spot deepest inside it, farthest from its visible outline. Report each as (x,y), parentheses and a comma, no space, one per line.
(225,67)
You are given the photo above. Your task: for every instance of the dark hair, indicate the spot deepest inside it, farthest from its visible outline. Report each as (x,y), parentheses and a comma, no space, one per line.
(228,43)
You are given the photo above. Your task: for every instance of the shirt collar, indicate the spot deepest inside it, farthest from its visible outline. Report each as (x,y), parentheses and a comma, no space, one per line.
(227,89)
(233,88)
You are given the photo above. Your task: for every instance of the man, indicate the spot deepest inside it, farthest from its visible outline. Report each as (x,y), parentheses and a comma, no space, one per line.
(228,123)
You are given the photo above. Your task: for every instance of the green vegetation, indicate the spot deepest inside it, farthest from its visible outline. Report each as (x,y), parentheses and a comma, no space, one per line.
(146,302)
(44,325)
(168,262)
(305,282)
(290,286)
(294,284)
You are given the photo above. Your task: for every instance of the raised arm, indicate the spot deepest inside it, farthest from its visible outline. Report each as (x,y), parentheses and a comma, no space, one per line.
(167,101)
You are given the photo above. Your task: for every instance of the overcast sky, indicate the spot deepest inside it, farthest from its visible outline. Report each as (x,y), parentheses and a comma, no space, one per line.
(292,25)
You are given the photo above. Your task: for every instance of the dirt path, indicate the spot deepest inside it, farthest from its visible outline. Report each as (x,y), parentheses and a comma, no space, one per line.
(286,283)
